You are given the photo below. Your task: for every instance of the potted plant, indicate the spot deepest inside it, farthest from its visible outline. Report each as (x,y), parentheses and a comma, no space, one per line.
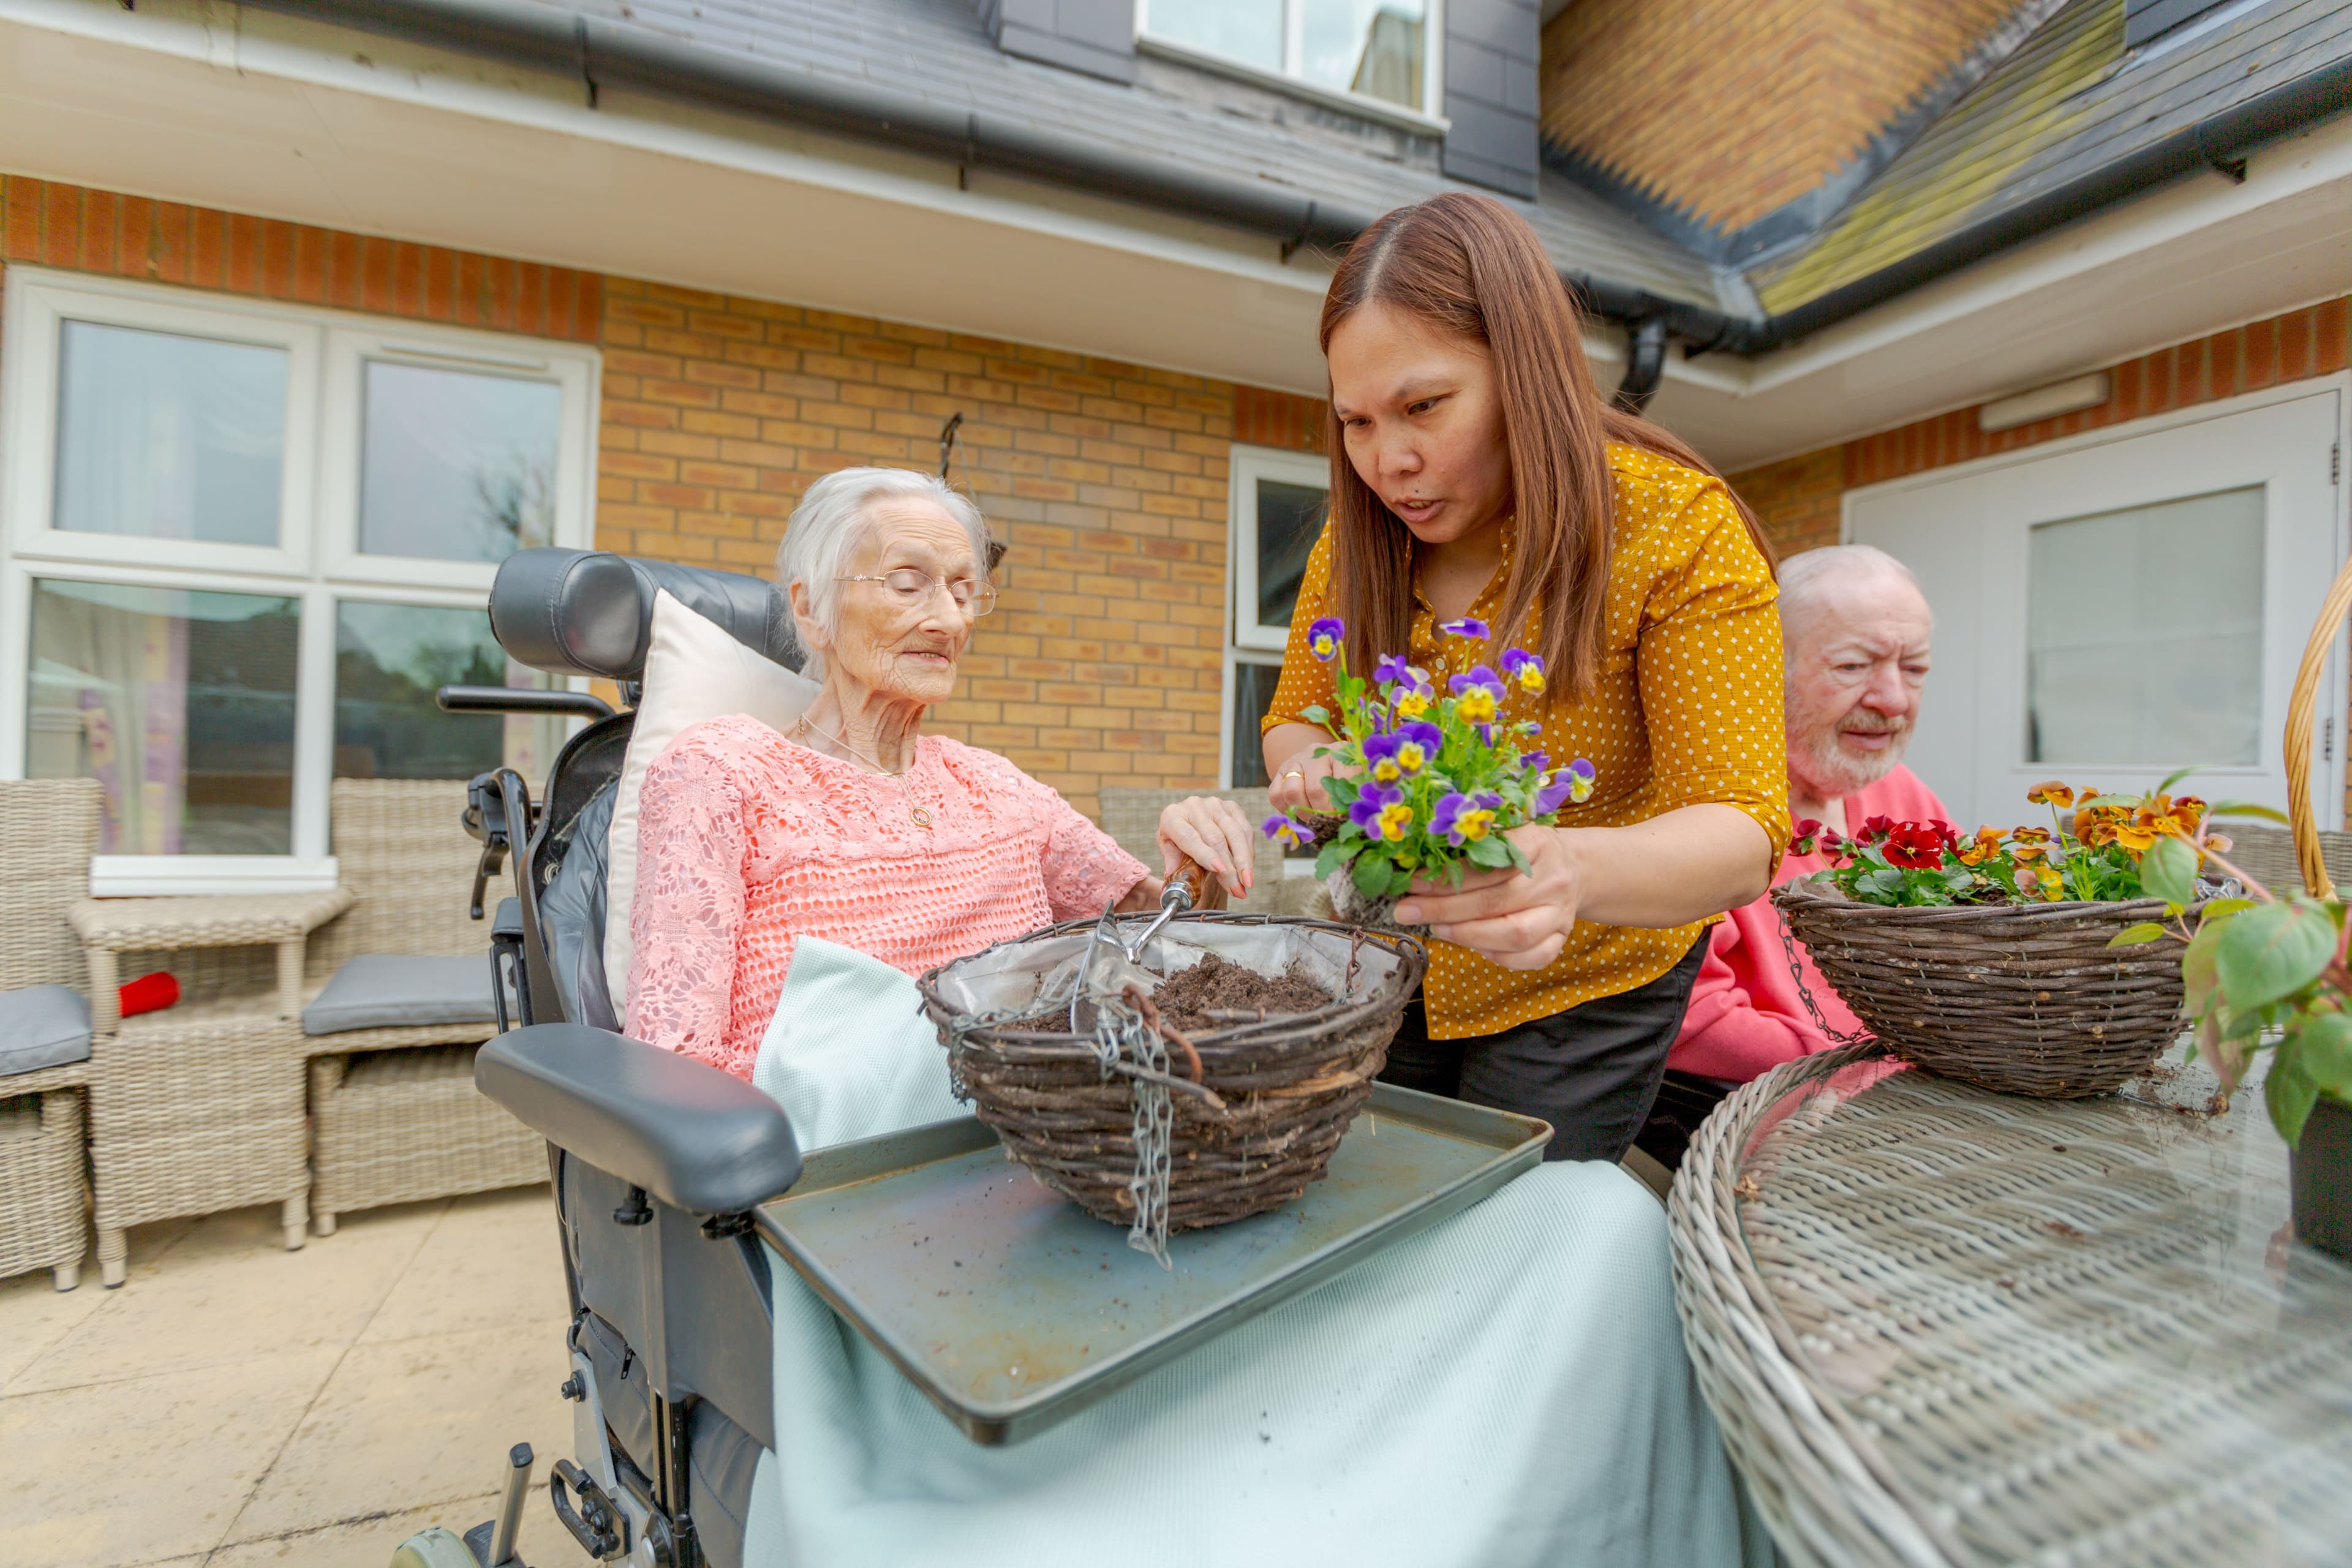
(2266,973)
(1989,959)
(1434,782)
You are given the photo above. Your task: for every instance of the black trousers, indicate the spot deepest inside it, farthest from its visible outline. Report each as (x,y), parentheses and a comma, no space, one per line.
(1592,1071)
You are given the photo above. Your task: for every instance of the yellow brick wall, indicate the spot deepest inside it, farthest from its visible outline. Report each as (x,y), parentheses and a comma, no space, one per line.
(1103,663)
(1730,111)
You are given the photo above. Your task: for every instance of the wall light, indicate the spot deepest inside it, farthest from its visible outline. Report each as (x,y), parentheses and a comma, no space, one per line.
(2046,402)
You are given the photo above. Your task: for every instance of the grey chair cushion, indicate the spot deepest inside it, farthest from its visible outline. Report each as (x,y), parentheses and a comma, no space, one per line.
(42,1026)
(392,990)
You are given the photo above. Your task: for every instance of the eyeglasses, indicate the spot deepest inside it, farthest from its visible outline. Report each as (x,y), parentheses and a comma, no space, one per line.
(910,586)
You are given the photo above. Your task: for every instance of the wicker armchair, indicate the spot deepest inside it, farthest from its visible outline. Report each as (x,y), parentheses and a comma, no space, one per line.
(48,830)
(394,1116)
(1132,817)
(2267,855)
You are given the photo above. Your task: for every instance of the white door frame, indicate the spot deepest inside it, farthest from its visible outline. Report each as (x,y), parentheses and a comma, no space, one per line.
(2330,793)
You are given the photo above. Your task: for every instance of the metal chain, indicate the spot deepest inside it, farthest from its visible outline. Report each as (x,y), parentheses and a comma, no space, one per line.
(1119,1034)
(1805,993)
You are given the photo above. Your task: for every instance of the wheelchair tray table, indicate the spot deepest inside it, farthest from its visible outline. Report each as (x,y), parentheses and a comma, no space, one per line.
(1013,1309)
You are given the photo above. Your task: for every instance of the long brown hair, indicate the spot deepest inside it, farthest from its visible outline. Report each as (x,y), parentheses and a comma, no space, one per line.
(1469,264)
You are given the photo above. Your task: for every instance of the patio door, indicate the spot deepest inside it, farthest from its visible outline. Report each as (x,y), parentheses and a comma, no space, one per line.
(2111,612)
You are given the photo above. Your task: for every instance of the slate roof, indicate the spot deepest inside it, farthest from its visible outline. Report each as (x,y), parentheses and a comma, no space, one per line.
(2068,103)
(937,50)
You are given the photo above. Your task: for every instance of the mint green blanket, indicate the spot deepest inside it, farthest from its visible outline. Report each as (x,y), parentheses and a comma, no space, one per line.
(1507,1388)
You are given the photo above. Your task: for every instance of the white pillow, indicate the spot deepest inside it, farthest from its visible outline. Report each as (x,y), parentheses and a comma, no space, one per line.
(694,671)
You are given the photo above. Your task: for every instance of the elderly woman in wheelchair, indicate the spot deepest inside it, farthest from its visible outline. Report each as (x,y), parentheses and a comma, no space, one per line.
(853,826)
(1509,1387)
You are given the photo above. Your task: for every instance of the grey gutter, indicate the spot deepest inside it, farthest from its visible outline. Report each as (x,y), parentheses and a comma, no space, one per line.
(596,51)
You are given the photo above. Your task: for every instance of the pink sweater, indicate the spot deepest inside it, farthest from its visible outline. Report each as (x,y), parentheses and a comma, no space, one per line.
(747,840)
(1745,1015)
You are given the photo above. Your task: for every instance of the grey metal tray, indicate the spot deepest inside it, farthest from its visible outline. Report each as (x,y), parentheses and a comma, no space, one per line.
(1011,1309)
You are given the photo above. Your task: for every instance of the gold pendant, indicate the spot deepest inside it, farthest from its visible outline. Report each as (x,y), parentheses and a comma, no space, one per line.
(922,818)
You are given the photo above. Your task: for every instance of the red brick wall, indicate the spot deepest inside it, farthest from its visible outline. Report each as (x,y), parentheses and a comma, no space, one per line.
(1799,497)
(171,242)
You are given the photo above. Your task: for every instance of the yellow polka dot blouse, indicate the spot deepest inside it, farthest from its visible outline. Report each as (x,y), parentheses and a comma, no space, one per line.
(1686,709)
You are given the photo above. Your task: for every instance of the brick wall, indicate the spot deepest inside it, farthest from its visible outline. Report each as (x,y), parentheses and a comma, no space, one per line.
(1799,499)
(1730,111)
(1103,662)
(230,253)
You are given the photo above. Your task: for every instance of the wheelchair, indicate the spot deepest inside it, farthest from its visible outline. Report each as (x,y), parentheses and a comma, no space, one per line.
(656,1160)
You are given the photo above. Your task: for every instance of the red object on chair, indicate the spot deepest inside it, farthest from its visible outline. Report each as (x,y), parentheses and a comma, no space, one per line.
(149,993)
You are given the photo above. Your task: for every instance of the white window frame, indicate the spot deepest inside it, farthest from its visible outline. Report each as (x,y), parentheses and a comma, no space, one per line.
(1249,641)
(317,561)
(1427,117)
(1247,465)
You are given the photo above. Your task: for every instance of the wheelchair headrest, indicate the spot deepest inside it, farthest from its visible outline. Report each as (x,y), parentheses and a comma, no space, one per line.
(590,612)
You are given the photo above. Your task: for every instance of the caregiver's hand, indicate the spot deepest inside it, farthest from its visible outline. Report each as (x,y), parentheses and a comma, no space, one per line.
(1216,833)
(1519,920)
(1295,783)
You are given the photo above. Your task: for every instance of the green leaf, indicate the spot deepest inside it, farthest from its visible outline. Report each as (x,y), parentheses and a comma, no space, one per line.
(1371,874)
(1342,791)
(1491,852)
(1327,860)
(2136,935)
(2322,1051)
(1518,857)
(2273,952)
(1319,714)
(2223,908)
(2169,871)
(1399,880)
(2248,808)
(2289,1094)
(2089,801)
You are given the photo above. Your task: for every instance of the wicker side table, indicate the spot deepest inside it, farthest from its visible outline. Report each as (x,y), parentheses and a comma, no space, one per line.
(1942,1326)
(198,1107)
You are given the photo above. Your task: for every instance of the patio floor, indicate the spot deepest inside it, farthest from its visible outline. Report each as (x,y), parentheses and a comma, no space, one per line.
(238,1403)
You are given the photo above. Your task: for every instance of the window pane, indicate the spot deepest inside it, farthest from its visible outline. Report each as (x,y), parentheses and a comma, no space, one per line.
(1288,519)
(390,659)
(1246,30)
(1371,46)
(164,436)
(1253,695)
(181,704)
(2144,635)
(456,465)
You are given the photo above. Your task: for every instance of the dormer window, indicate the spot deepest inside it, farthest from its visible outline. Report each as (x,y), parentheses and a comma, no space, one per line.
(1362,52)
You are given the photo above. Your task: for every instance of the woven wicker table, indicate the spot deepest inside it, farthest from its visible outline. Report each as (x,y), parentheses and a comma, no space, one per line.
(1941,1326)
(199,1108)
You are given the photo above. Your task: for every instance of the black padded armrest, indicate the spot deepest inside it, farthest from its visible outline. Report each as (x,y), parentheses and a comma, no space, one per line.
(693,1137)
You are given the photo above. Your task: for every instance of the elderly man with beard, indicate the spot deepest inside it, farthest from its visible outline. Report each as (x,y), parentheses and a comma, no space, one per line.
(1855,631)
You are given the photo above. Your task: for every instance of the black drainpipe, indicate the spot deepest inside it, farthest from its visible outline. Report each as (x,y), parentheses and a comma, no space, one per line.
(598,52)
(1645,366)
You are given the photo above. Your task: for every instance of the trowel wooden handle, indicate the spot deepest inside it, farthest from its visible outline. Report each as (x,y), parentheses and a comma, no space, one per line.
(1203,891)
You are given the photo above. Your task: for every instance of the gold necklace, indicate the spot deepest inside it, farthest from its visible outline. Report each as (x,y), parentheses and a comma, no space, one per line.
(920,818)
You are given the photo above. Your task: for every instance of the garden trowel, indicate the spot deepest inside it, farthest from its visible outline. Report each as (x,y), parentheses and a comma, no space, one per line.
(1110,965)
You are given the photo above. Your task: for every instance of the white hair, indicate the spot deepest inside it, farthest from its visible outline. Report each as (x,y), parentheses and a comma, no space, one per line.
(836,516)
(1807,576)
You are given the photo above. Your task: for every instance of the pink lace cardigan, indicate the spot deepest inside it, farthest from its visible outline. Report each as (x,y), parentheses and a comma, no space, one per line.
(747,841)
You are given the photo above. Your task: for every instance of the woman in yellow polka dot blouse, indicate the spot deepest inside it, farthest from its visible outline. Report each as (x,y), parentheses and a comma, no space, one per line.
(1477,473)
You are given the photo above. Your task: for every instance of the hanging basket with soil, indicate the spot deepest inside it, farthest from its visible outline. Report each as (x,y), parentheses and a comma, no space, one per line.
(2022,998)
(1250,1055)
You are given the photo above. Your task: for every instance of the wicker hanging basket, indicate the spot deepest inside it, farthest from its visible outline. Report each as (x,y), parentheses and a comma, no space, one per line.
(2022,998)
(1288,1087)
(2029,998)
